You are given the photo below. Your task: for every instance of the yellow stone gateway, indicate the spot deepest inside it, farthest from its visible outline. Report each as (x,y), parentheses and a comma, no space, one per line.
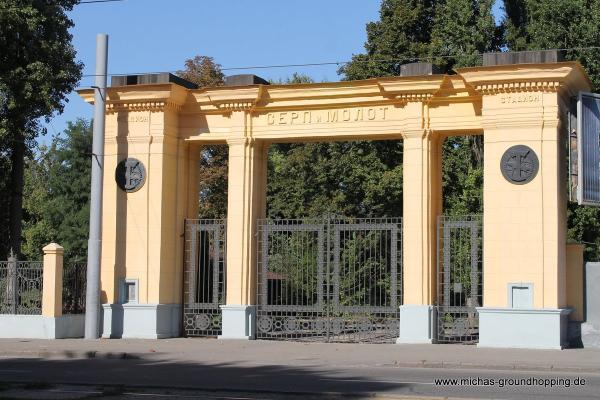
(524,242)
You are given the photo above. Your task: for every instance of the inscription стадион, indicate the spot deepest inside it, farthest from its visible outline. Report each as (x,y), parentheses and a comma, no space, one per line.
(520,98)
(133,118)
(327,116)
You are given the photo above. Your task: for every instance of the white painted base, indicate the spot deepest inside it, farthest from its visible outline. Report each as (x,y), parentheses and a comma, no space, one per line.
(40,327)
(239,322)
(416,324)
(141,321)
(523,328)
(590,335)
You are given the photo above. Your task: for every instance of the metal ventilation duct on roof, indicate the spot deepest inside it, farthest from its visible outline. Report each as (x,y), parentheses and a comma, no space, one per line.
(523,57)
(147,79)
(244,80)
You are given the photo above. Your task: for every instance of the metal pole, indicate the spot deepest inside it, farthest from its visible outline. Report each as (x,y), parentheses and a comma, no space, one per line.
(92,299)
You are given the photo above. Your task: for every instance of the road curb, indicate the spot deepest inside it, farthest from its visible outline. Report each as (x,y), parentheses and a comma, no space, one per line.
(153,355)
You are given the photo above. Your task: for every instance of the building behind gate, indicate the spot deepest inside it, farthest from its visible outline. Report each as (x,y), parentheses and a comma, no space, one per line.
(499,279)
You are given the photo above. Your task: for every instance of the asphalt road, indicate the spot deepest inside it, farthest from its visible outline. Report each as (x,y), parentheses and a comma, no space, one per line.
(150,378)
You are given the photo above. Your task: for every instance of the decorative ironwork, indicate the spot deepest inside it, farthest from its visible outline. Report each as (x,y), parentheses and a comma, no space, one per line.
(459,270)
(21,287)
(519,164)
(334,280)
(74,286)
(204,276)
(130,175)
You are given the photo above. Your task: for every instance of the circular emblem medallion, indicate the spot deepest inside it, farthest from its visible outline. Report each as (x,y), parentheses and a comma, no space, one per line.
(337,326)
(319,325)
(290,324)
(265,324)
(364,325)
(130,175)
(202,321)
(519,165)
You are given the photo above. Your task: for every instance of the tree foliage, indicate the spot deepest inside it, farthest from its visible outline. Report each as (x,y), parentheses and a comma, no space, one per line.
(37,71)
(57,192)
(203,71)
(556,24)
(359,179)
(462,30)
(402,34)
(562,24)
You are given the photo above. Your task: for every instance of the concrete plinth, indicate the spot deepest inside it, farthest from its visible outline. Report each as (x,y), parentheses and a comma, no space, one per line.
(41,327)
(239,322)
(416,324)
(523,328)
(141,321)
(590,329)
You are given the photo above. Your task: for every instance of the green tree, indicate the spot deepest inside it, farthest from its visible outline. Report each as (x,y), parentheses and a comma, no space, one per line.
(37,70)
(557,24)
(572,25)
(358,179)
(449,33)
(402,34)
(56,201)
(462,30)
(203,71)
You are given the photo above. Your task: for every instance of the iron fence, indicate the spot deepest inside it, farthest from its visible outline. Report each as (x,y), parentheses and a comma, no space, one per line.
(74,287)
(204,276)
(21,284)
(459,278)
(332,279)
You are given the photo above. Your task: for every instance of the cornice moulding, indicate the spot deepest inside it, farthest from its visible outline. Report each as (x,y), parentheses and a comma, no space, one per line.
(526,78)
(169,94)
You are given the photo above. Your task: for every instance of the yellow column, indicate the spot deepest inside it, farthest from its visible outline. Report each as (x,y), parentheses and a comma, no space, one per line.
(422,205)
(524,225)
(246,203)
(53,280)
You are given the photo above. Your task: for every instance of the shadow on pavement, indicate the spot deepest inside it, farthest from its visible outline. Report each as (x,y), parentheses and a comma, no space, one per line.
(163,373)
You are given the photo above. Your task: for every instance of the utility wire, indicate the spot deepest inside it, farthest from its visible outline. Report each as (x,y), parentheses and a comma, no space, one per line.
(388,61)
(97,1)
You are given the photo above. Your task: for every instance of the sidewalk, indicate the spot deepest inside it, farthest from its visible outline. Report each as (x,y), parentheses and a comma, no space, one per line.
(307,354)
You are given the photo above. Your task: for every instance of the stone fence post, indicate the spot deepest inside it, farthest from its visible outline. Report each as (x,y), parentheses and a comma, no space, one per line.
(53,280)
(11,283)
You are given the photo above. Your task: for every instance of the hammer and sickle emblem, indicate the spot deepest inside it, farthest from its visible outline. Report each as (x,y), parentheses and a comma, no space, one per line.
(133,175)
(519,164)
(130,175)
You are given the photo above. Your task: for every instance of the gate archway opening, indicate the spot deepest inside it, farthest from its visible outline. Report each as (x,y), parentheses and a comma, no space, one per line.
(460,241)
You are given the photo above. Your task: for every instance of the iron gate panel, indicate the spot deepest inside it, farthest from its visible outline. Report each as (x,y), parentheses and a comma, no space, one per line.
(329,279)
(204,276)
(459,278)
(21,284)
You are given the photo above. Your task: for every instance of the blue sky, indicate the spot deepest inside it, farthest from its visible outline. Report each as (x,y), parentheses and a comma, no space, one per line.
(159,35)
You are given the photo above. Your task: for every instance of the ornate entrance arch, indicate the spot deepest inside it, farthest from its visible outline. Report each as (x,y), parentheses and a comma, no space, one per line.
(162,125)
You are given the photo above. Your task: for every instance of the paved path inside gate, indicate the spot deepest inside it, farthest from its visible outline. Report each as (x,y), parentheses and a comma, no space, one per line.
(291,367)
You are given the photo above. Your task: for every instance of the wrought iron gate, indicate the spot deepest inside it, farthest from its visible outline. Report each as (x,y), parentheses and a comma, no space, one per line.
(204,276)
(21,285)
(335,280)
(459,278)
